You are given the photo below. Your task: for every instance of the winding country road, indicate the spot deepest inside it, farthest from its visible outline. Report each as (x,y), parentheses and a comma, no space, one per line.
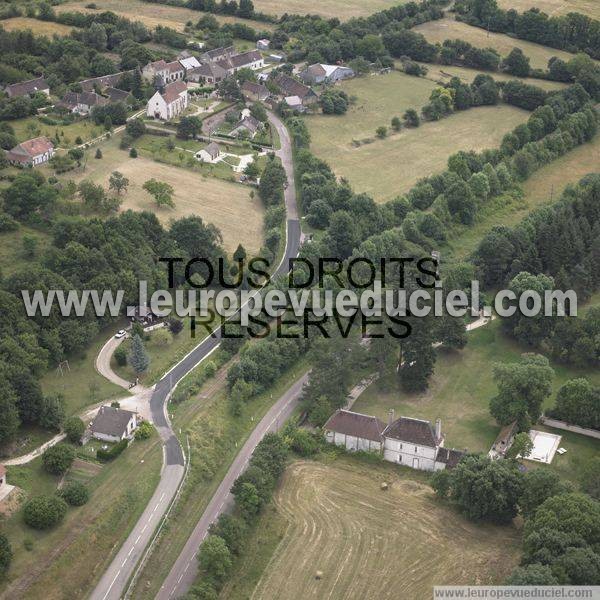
(114,581)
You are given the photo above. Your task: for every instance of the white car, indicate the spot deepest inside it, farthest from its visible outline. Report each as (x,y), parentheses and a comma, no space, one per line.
(120,334)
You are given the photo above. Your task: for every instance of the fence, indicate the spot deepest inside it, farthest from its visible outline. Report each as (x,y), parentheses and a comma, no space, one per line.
(593,433)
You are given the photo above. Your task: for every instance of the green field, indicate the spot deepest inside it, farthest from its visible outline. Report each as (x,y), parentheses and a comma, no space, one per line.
(449,29)
(460,390)
(545,185)
(366,542)
(226,205)
(338,9)
(591,8)
(31,127)
(66,561)
(410,154)
(38,27)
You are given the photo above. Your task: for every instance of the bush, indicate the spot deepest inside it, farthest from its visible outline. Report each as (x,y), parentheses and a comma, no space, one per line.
(111,453)
(133,153)
(5,554)
(58,459)
(7,223)
(74,428)
(75,494)
(144,431)
(98,153)
(44,512)
(120,355)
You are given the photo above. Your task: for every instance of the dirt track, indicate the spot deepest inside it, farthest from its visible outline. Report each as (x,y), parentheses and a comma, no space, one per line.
(375,544)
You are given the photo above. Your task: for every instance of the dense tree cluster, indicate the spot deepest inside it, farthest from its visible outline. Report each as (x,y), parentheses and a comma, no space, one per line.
(578,402)
(573,32)
(577,340)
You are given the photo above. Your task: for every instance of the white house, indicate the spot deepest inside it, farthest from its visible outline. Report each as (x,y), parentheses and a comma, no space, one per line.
(113,424)
(210,154)
(406,441)
(81,103)
(263,44)
(252,59)
(354,431)
(32,152)
(169,103)
(167,71)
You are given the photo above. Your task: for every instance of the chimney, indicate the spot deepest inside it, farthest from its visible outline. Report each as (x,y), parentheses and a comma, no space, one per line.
(438,429)
(390,416)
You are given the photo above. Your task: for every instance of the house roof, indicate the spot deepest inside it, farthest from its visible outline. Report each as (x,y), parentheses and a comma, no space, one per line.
(413,431)
(356,424)
(210,69)
(246,58)
(111,421)
(117,95)
(293,101)
(213,149)
(157,65)
(250,123)
(503,441)
(173,67)
(173,91)
(87,85)
(254,88)
(33,147)
(290,87)
(27,87)
(86,98)
(189,62)
(219,53)
(449,457)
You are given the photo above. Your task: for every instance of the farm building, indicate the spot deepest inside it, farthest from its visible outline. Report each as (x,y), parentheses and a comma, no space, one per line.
(113,424)
(168,101)
(83,103)
(32,152)
(354,431)
(254,91)
(319,73)
(167,71)
(218,54)
(207,72)
(209,154)
(247,60)
(291,87)
(25,88)
(100,83)
(249,124)
(117,95)
(406,441)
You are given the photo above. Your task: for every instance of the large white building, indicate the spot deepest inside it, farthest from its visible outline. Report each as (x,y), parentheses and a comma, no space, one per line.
(405,441)
(169,102)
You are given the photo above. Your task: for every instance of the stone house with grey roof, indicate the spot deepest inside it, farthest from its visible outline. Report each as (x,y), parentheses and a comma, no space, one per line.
(113,424)
(413,443)
(27,88)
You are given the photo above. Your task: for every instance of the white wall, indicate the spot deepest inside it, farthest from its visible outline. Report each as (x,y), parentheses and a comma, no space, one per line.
(409,455)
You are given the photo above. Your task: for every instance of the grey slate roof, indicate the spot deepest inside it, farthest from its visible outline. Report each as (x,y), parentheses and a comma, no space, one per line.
(413,431)
(111,421)
(356,424)
(449,457)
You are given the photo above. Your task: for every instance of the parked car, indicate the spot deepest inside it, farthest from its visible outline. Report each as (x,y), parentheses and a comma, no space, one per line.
(120,334)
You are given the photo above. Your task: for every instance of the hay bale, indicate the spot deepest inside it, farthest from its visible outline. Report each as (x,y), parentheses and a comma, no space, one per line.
(384,486)
(319,575)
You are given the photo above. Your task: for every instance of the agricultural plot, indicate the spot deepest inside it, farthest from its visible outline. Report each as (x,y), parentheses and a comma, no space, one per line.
(591,8)
(30,127)
(444,29)
(339,9)
(365,541)
(38,27)
(152,14)
(226,205)
(411,154)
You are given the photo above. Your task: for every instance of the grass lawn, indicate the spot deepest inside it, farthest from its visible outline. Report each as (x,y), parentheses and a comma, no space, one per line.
(215,438)
(340,9)
(449,29)
(38,27)
(591,8)
(226,205)
(412,153)
(155,14)
(82,385)
(31,127)
(12,256)
(443,74)
(366,541)
(460,390)
(545,185)
(66,561)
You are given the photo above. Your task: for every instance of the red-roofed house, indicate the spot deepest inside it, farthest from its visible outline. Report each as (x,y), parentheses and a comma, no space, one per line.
(167,104)
(32,152)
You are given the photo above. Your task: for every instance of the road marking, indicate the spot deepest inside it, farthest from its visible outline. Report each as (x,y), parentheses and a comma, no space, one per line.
(110,586)
(123,563)
(138,539)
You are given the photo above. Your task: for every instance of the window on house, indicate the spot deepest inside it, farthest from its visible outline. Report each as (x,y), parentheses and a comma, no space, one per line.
(415,449)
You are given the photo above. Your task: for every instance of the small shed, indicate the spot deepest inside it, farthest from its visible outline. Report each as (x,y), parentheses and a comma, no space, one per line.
(209,154)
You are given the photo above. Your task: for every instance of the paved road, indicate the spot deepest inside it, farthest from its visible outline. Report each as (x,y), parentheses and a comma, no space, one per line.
(184,571)
(114,582)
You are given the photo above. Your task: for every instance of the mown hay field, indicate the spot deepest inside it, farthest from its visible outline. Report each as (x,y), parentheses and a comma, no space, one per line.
(591,8)
(152,14)
(410,154)
(226,205)
(38,27)
(444,29)
(340,9)
(370,543)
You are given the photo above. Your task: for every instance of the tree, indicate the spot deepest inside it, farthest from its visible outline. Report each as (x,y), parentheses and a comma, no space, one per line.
(521,446)
(161,191)
(133,153)
(590,477)
(534,574)
(215,558)
(98,153)
(411,118)
(135,128)
(202,591)
(578,402)
(138,357)
(75,493)
(381,132)
(175,325)
(522,388)
(334,102)
(44,512)
(52,411)
(232,529)
(6,555)
(396,124)
(92,194)
(118,182)
(9,415)
(516,63)
(252,171)
(74,428)
(538,486)
(120,355)
(144,431)
(189,127)
(486,490)
(57,459)
(248,500)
